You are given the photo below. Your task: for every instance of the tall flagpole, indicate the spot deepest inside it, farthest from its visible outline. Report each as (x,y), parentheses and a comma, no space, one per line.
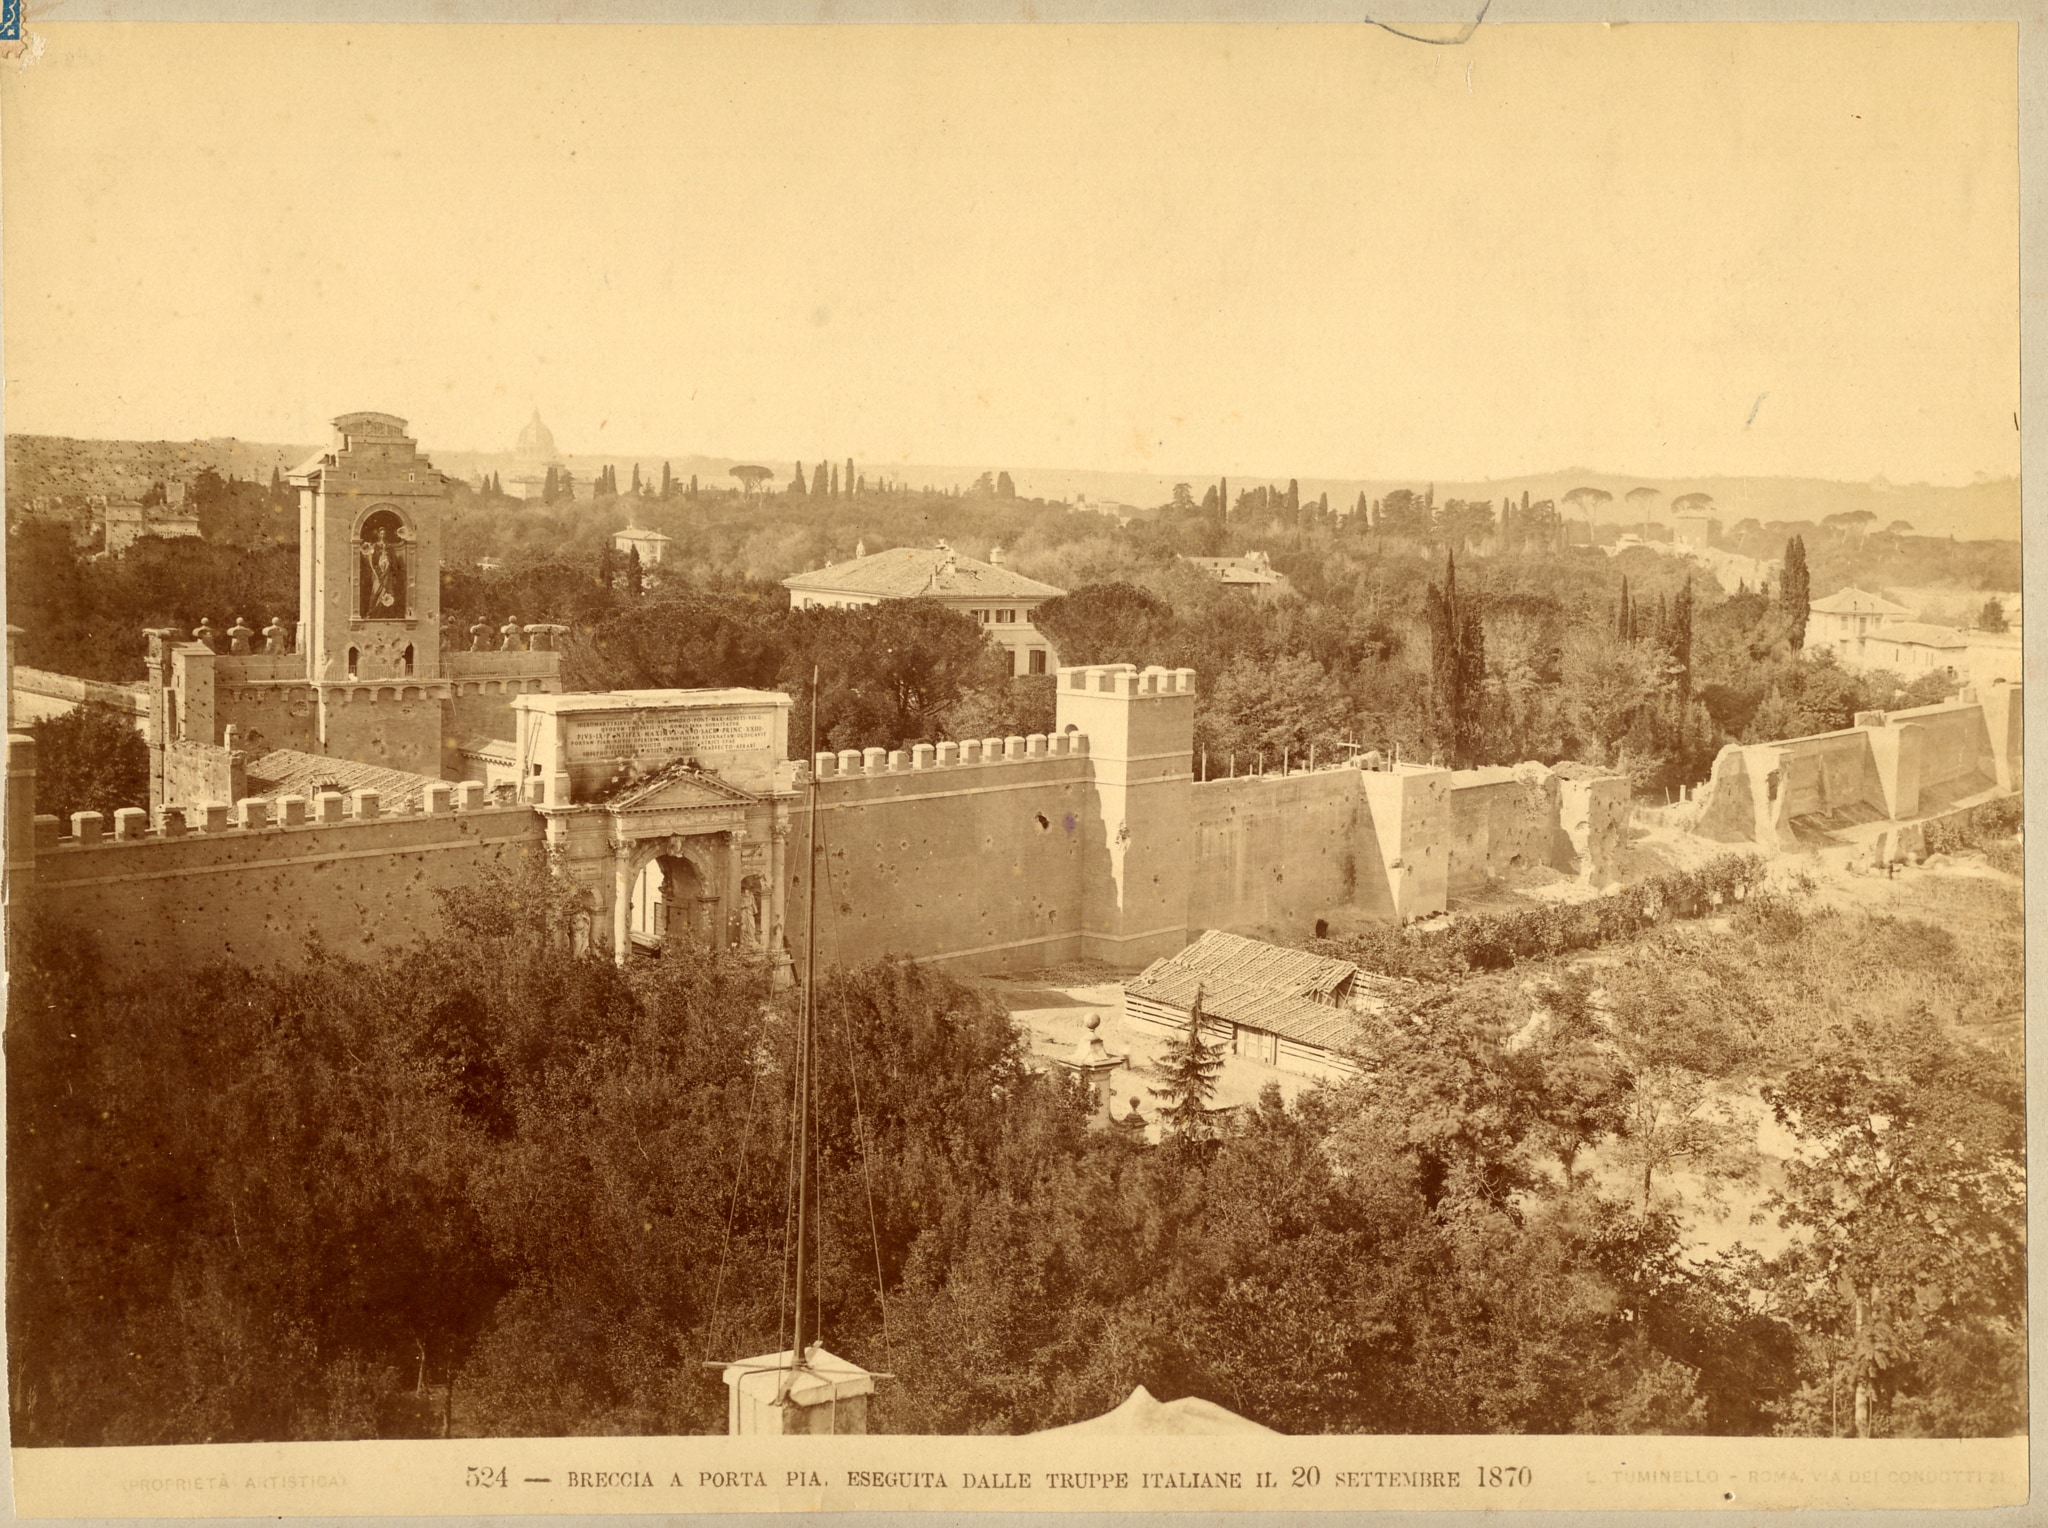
(806,1330)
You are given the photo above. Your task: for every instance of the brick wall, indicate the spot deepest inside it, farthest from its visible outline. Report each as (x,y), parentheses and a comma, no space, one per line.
(971,853)
(155,904)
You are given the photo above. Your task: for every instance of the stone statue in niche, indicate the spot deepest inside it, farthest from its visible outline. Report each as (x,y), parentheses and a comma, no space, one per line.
(750,910)
(381,588)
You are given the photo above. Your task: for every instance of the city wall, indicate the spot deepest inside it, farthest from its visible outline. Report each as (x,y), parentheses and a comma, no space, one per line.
(1280,851)
(992,854)
(969,852)
(173,895)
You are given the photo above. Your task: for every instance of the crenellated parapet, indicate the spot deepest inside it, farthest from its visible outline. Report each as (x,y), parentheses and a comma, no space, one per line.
(920,758)
(251,814)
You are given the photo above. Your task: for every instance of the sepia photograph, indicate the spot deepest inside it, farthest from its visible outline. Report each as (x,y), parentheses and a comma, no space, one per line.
(1228,765)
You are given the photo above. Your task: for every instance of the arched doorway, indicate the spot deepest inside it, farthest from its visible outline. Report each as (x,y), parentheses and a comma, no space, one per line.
(672,903)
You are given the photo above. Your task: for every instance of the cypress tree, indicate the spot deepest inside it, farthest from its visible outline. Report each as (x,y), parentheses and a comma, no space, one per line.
(796,481)
(849,477)
(634,573)
(818,481)
(1681,644)
(1793,591)
(550,487)
(1457,664)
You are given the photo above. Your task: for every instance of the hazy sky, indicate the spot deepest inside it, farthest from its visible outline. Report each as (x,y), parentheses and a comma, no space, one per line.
(1313,250)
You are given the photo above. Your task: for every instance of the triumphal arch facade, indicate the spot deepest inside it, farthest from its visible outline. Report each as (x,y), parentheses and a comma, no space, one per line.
(670,808)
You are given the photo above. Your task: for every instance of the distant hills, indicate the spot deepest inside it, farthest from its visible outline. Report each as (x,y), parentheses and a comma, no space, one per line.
(47,465)
(1987,510)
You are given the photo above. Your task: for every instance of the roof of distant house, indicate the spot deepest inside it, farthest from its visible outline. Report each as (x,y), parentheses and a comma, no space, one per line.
(635,533)
(905,572)
(1920,633)
(1853,601)
(287,772)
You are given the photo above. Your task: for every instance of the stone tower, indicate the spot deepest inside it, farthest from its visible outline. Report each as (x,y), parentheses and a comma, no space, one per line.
(1140,730)
(370,593)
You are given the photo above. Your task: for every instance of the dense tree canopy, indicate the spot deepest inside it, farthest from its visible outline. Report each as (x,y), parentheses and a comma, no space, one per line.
(491,1186)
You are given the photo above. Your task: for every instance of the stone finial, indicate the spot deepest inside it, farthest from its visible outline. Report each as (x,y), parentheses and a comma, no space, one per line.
(231,737)
(540,639)
(510,632)
(479,636)
(276,637)
(203,632)
(239,635)
(1091,1051)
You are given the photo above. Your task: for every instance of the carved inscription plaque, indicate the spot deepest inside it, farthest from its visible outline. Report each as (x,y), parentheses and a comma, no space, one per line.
(656,737)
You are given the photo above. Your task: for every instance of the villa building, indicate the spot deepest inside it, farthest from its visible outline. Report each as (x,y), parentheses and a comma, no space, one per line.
(987,592)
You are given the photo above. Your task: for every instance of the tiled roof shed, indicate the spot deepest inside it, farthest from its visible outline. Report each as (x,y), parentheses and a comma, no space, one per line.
(1167,984)
(1270,965)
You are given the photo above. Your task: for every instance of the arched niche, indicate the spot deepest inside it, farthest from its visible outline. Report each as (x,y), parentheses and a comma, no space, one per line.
(384,565)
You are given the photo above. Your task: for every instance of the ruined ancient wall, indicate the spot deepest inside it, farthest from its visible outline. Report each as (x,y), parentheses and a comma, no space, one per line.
(1955,752)
(1831,775)
(971,853)
(1503,821)
(154,903)
(1891,767)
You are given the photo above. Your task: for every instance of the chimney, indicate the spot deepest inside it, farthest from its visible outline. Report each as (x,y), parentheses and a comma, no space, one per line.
(995,557)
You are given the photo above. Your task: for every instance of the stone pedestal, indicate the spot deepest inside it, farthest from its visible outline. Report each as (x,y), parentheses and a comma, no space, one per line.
(1096,1066)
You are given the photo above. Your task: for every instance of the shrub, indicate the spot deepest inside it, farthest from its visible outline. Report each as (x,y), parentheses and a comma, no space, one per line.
(1497,941)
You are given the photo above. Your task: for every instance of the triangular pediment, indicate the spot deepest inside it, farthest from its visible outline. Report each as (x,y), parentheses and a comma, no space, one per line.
(677,787)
